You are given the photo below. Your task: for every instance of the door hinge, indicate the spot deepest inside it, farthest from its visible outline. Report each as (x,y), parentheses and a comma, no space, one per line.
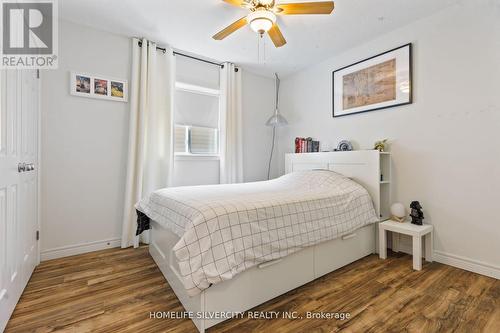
(37,235)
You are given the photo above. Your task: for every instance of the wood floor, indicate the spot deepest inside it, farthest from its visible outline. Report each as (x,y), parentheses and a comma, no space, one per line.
(115,291)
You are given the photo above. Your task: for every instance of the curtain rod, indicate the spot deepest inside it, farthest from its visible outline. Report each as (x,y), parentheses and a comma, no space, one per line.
(202,60)
(236,69)
(191,57)
(158,48)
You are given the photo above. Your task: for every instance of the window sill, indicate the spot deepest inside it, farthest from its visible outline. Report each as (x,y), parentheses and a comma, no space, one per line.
(193,157)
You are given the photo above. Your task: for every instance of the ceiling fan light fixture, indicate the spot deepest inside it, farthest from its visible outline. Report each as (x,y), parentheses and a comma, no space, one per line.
(261,21)
(266,2)
(262,17)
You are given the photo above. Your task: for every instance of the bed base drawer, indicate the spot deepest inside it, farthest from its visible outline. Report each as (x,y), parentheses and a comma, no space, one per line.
(262,282)
(351,246)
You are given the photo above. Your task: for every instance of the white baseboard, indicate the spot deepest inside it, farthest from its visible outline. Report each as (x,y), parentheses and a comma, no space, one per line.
(405,245)
(467,264)
(442,257)
(71,250)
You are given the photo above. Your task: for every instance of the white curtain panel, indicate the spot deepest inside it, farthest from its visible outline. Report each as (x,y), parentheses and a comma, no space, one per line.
(231,138)
(150,152)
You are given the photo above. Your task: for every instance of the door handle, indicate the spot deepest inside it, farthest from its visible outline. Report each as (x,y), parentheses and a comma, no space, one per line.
(21,167)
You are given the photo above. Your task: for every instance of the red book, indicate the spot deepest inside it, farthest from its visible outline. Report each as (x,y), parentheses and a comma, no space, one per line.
(297,145)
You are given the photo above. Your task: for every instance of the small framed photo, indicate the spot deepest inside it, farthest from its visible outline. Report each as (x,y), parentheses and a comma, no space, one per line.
(380,82)
(81,84)
(101,87)
(119,90)
(98,86)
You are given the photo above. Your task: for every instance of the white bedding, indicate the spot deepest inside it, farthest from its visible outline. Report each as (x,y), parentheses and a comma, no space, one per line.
(226,229)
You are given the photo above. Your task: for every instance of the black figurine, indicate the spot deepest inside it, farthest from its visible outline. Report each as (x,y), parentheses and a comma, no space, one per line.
(416,214)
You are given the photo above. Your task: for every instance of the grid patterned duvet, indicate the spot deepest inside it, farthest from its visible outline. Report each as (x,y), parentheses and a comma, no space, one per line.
(226,229)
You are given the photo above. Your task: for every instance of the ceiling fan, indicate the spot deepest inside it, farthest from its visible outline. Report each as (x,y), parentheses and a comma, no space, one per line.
(262,17)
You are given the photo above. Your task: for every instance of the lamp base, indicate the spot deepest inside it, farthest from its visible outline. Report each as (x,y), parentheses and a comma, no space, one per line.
(398,219)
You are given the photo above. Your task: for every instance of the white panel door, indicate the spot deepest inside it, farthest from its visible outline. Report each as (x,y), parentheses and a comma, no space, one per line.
(29,179)
(19,100)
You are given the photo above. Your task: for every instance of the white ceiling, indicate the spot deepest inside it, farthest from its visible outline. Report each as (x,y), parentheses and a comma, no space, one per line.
(188,25)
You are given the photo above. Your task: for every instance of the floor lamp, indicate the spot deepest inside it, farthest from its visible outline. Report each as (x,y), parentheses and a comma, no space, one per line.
(276,120)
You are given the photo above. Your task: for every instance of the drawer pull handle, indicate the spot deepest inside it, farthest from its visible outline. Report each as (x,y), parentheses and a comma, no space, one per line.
(269,263)
(349,236)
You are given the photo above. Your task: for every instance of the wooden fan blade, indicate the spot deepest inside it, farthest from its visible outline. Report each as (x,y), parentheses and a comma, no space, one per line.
(276,36)
(324,7)
(230,29)
(238,3)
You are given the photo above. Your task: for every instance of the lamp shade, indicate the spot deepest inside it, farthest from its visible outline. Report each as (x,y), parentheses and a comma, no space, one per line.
(276,120)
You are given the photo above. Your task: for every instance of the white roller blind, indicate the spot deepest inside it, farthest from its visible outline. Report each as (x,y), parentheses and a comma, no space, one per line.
(196,109)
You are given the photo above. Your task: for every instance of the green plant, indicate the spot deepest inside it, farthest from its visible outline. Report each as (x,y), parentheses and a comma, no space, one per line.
(380,145)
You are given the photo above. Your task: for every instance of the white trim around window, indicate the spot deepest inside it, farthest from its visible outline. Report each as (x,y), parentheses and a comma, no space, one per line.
(196,89)
(194,157)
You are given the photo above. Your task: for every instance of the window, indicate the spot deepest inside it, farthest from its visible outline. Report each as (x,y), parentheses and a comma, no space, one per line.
(181,138)
(194,140)
(196,113)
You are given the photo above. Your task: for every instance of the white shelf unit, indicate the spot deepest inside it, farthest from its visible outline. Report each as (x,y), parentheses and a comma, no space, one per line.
(385,171)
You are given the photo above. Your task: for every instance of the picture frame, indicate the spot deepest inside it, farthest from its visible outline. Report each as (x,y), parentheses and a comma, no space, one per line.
(379,82)
(98,86)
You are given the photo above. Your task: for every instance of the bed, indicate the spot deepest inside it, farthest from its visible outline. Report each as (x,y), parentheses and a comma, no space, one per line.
(227,248)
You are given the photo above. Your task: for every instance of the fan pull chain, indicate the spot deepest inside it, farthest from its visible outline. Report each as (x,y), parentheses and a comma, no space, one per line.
(265,58)
(261,54)
(258,49)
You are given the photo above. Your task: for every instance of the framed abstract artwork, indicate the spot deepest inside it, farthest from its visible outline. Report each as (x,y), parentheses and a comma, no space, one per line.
(380,82)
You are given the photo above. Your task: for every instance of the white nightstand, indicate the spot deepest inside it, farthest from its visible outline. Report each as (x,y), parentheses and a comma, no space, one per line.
(416,231)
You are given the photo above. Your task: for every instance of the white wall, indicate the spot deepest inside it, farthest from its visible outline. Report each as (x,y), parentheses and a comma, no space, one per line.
(446,145)
(84,145)
(196,170)
(258,106)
